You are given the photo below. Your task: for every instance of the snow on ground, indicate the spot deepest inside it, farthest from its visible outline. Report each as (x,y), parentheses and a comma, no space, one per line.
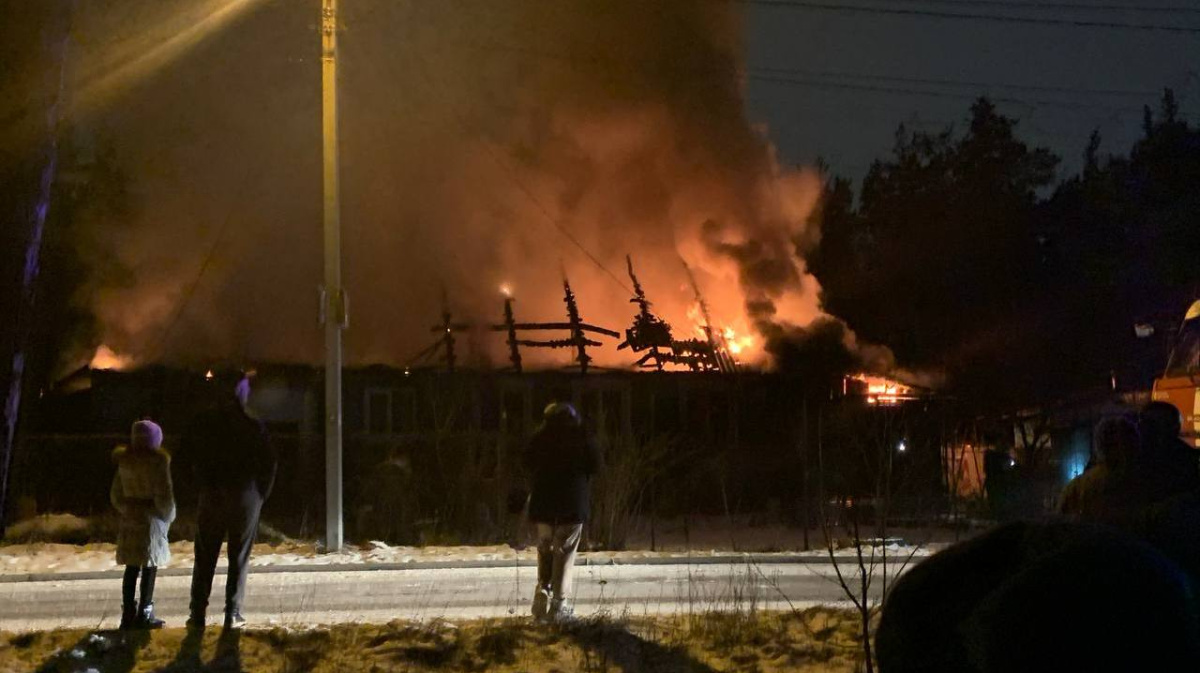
(338,595)
(36,558)
(43,549)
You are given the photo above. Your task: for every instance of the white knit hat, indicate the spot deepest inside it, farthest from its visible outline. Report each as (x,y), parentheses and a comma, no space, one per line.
(146,435)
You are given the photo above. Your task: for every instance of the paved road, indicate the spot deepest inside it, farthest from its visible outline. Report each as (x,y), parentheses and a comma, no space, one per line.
(383,595)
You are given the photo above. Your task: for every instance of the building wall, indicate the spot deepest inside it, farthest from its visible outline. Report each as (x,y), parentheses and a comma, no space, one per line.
(450,444)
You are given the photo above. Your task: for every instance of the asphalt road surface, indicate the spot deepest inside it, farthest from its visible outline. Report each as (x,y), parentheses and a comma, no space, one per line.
(306,598)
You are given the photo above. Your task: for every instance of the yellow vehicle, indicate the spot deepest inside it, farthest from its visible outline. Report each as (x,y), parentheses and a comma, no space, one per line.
(1180,383)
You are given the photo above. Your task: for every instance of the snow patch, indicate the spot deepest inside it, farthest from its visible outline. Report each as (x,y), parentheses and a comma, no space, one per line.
(38,558)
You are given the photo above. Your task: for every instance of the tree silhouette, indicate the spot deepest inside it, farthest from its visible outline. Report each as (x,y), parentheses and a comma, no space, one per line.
(940,255)
(960,257)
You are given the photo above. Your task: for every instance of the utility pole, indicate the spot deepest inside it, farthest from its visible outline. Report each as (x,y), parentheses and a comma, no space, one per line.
(333,309)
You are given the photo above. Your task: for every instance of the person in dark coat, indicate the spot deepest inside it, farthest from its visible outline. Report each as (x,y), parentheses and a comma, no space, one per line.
(1168,467)
(235,470)
(1143,468)
(143,496)
(1101,494)
(1041,597)
(561,459)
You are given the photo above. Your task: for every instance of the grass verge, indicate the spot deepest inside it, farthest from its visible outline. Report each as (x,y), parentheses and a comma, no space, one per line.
(815,640)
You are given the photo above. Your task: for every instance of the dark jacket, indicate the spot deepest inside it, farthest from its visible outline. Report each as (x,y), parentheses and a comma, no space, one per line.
(1173,468)
(228,452)
(1026,596)
(561,460)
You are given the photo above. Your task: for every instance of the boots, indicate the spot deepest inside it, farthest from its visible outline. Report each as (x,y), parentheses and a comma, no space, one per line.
(128,616)
(234,618)
(195,620)
(145,616)
(541,601)
(559,611)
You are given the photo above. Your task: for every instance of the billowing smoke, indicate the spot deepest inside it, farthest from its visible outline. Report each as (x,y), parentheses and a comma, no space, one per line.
(484,144)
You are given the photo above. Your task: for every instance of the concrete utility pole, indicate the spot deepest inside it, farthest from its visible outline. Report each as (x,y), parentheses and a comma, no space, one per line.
(333,309)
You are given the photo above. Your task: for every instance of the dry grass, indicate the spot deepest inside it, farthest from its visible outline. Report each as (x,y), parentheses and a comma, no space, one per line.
(819,639)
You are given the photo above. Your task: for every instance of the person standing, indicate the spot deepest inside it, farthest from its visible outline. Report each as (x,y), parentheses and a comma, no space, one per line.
(1168,466)
(561,459)
(144,499)
(1102,494)
(235,470)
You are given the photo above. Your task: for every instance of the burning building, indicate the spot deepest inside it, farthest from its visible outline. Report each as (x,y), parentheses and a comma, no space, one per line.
(881,390)
(536,146)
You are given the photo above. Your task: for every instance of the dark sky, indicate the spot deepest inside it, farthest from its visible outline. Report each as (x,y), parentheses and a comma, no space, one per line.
(850,127)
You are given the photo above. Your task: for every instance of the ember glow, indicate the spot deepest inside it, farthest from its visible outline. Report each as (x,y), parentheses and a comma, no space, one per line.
(106,358)
(878,389)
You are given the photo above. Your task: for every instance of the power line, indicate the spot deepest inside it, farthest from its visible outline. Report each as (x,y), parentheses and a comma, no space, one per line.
(1061,6)
(908,91)
(838,80)
(766,70)
(524,188)
(809,5)
(500,163)
(161,344)
(421,67)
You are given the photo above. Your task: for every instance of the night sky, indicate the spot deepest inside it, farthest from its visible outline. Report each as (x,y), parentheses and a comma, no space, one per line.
(1038,63)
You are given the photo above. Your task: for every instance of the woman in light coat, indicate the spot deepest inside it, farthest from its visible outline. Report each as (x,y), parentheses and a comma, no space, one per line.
(145,501)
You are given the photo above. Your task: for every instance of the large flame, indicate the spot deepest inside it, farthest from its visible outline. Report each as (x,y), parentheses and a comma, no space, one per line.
(742,346)
(738,344)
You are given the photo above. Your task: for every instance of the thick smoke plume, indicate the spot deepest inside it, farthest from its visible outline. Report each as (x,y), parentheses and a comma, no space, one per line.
(484,144)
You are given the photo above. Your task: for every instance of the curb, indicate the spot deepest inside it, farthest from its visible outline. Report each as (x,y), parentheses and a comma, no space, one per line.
(750,559)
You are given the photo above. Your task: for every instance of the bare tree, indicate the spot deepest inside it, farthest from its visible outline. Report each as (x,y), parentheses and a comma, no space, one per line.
(871,442)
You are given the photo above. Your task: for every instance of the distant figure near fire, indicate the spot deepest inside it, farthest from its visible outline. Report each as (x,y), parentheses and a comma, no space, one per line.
(1170,465)
(561,459)
(145,502)
(1102,494)
(235,467)
(1141,467)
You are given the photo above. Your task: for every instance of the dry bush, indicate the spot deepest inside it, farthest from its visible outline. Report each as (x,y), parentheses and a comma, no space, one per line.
(621,490)
(63,529)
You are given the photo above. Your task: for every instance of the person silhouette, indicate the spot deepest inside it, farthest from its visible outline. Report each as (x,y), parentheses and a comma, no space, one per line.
(561,459)
(235,468)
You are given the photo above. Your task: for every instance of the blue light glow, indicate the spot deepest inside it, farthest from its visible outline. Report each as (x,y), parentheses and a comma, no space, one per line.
(1074,466)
